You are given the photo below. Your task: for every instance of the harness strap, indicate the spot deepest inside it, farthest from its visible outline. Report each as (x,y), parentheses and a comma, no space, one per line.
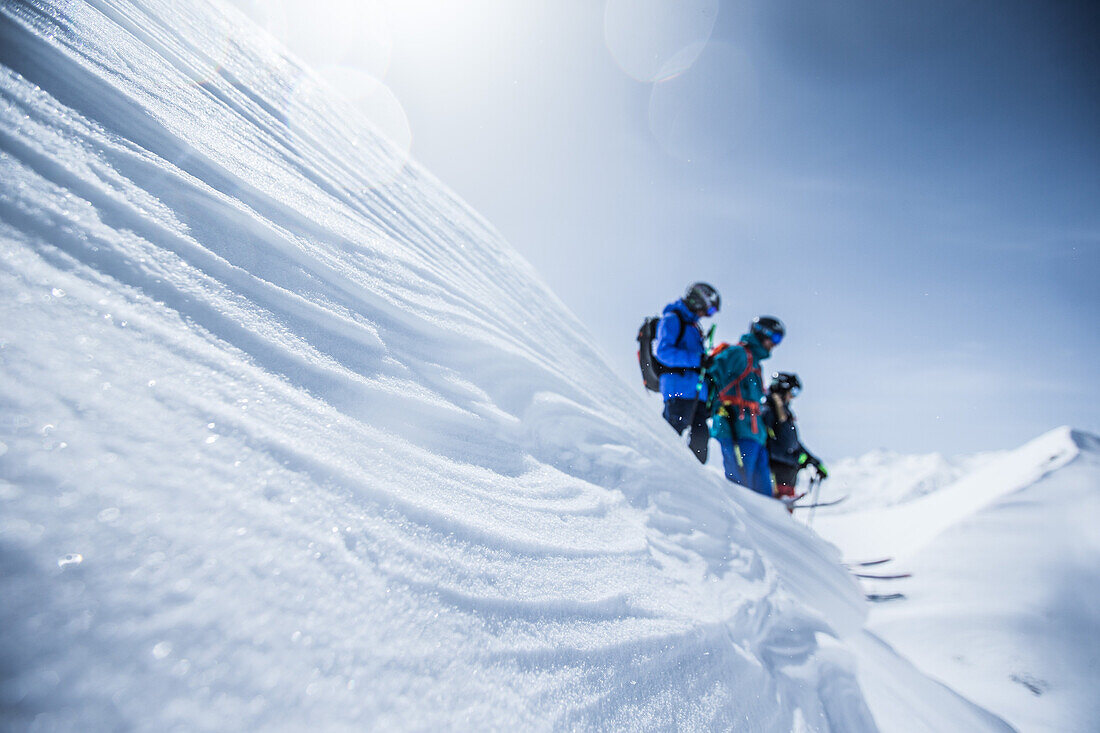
(752,408)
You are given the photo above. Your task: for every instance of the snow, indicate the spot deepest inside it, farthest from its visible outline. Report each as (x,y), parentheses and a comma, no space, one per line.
(883,478)
(1002,605)
(901,529)
(293,438)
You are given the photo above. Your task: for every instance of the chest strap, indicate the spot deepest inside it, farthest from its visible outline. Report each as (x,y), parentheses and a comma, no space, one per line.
(738,400)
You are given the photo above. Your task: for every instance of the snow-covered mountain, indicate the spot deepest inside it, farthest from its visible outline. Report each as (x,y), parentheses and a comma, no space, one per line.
(292,438)
(902,526)
(884,478)
(1003,602)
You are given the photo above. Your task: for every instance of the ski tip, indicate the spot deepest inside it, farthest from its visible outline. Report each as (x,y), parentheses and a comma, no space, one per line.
(820,503)
(867,563)
(883,597)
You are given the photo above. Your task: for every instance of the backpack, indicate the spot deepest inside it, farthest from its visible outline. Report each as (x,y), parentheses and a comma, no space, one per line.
(647,362)
(730,396)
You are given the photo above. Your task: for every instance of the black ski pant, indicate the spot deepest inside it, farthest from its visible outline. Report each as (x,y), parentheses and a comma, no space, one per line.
(786,478)
(682,413)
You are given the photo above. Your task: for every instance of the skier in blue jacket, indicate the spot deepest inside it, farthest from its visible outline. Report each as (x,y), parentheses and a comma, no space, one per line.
(681,351)
(735,371)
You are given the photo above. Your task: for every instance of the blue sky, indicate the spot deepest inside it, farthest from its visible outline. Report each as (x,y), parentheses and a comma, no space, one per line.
(913,187)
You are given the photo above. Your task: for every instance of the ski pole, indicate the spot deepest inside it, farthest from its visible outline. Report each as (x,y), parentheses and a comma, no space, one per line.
(698,393)
(702,374)
(815,488)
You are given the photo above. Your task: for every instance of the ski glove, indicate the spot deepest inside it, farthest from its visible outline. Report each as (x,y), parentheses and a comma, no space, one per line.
(806,459)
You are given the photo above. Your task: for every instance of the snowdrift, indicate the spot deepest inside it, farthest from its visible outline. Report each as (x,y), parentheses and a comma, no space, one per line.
(1002,605)
(292,438)
(904,526)
(884,478)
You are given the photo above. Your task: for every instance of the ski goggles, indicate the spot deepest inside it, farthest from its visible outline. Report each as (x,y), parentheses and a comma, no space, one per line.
(774,336)
(795,391)
(711,310)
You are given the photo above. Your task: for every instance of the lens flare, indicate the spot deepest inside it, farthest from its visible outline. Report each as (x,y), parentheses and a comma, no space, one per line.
(704,113)
(653,40)
(371,98)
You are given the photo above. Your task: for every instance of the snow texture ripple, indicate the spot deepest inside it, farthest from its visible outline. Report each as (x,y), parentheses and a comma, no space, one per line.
(1002,604)
(292,438)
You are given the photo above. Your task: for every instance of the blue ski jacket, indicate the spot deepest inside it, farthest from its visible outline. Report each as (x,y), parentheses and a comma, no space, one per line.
(680,346)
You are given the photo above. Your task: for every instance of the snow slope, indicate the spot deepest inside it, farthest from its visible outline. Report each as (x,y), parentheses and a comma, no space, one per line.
(292,438)
(883,478)
(901,529)
(1003,602)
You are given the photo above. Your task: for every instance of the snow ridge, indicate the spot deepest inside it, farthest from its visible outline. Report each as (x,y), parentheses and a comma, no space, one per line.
(883,478)
(296,438)
(1002,596)
(325,447)
(899,530)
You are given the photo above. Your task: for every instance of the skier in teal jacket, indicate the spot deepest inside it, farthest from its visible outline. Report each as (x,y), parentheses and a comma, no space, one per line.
(739,391)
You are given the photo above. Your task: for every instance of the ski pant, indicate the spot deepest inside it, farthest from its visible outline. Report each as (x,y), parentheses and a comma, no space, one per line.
(746,463)
(683,413)
(786,476)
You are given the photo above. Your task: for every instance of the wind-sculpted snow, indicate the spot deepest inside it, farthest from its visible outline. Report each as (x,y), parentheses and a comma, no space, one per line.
(885,478)
(292,438)
(904,528)
(1002,602)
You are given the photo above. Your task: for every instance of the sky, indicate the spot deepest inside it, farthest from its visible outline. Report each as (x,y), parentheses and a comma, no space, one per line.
(914,188)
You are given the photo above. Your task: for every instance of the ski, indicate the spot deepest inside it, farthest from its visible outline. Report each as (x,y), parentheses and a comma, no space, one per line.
(877,576)
(820,503)
(868,563)
(882,597)
(788,501)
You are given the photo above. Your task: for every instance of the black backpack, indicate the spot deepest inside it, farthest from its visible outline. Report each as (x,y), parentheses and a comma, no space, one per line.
(647,362)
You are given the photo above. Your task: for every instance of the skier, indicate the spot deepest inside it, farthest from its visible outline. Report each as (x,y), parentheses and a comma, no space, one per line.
(681,351)
(735,371)
(786,454)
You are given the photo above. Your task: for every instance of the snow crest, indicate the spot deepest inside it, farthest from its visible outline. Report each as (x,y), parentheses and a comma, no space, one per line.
(1002,602)
(884,478)
(293,438)
(327,450)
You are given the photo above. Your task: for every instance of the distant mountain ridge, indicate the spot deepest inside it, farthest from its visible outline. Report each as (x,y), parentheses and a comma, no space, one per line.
(297,440)
(1086,441)
(883,478)
(1004,599)
(899,527)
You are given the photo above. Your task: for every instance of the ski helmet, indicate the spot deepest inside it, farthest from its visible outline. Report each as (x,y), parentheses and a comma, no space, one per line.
(768,327)
(702,298)
(786,382)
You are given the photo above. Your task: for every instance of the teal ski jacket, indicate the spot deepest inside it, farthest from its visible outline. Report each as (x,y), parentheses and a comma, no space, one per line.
(739,391)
